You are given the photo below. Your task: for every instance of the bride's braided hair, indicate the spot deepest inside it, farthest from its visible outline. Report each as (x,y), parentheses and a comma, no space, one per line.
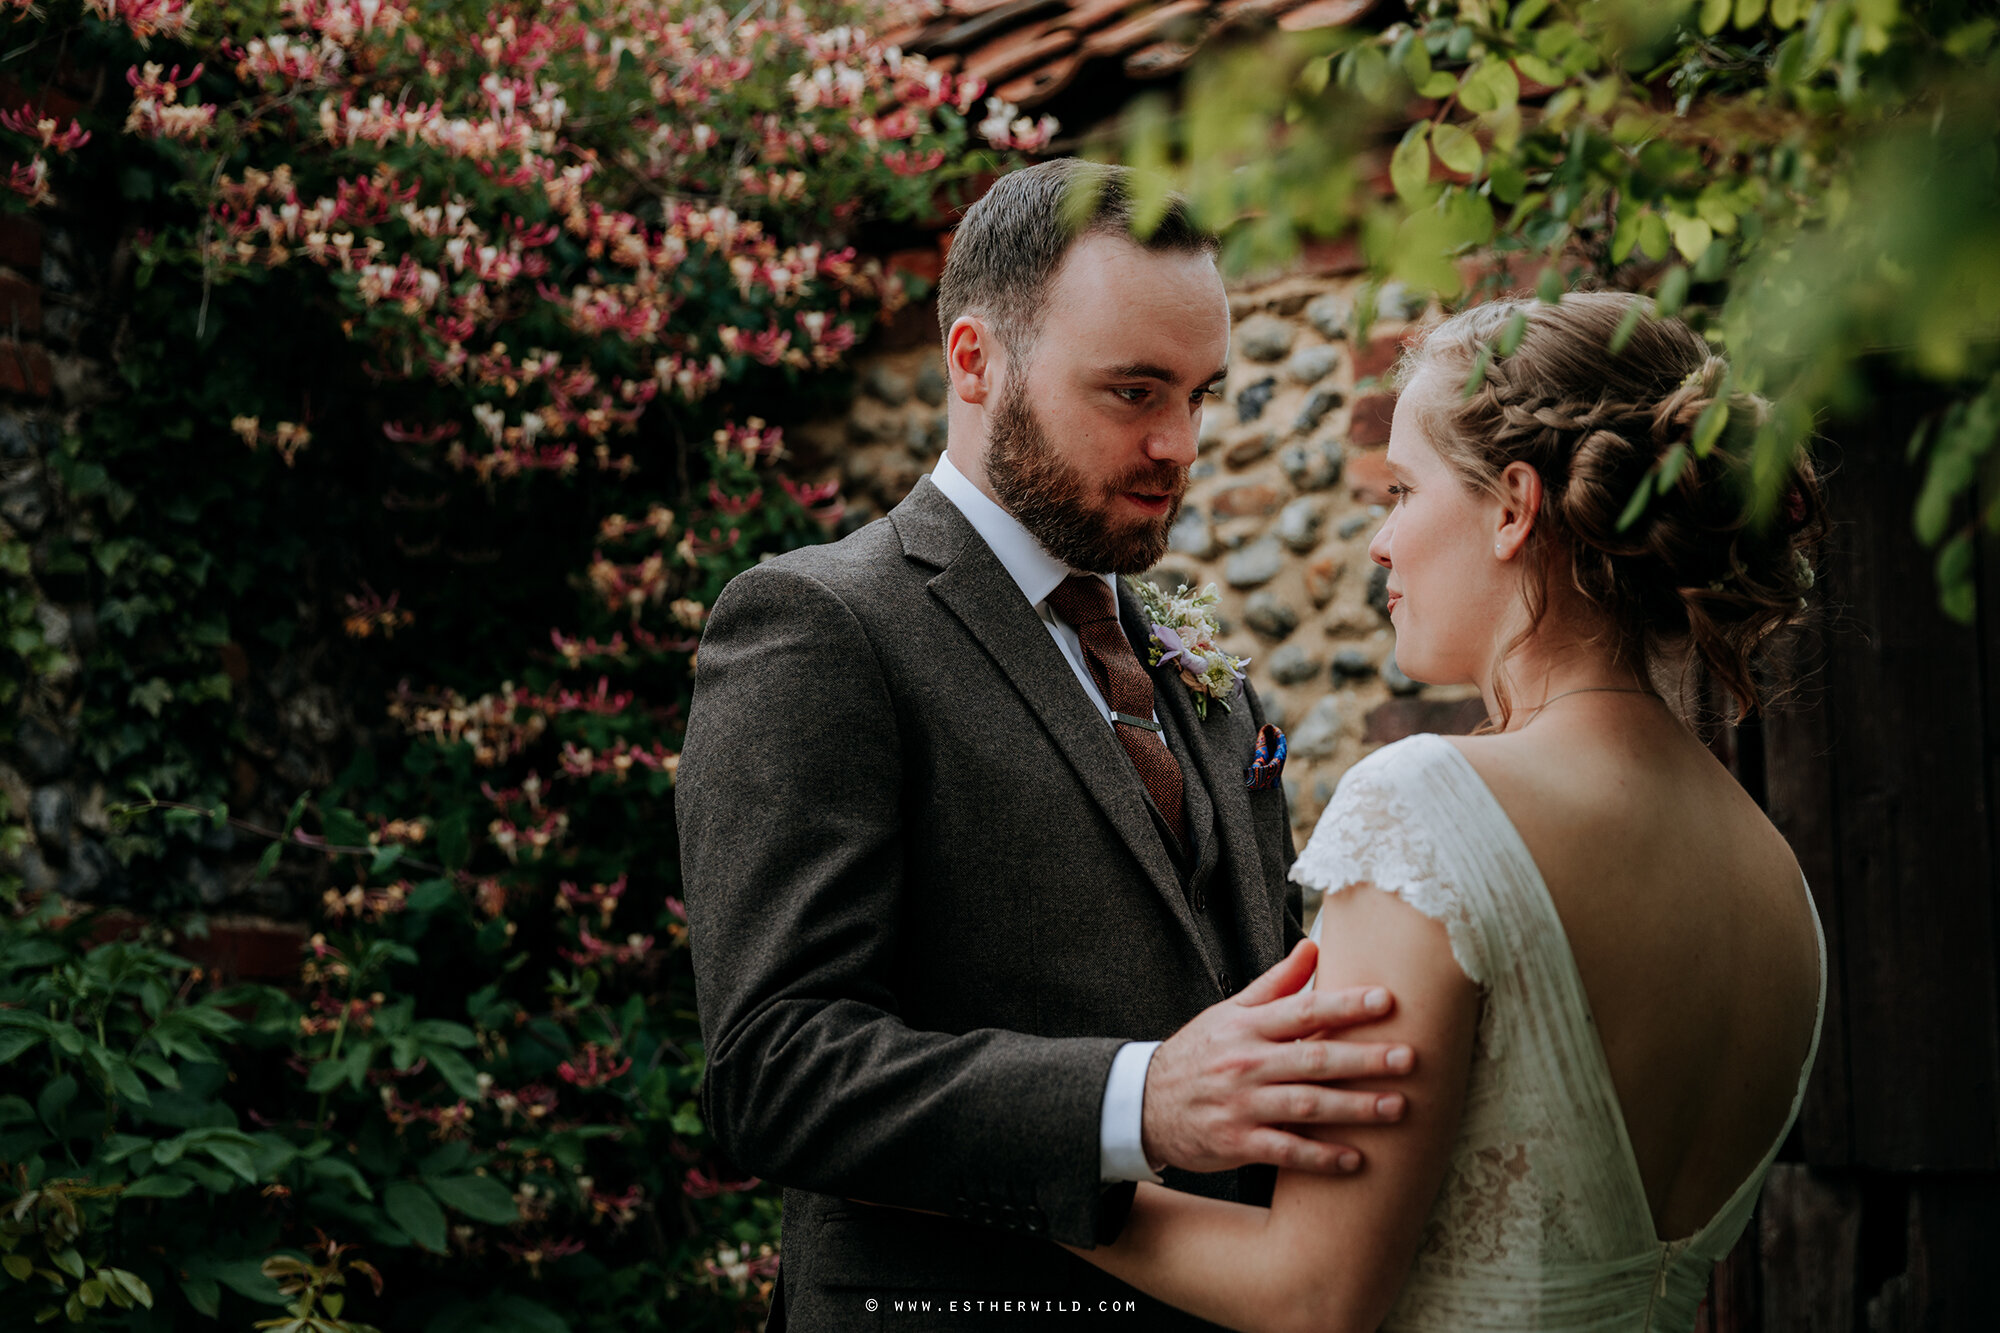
(1695,578)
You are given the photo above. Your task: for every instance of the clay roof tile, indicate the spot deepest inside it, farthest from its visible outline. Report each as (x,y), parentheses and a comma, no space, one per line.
(1019,50)
(1029,51)
(1146,28)
(1158,60)
(1324,14)
(1031,89)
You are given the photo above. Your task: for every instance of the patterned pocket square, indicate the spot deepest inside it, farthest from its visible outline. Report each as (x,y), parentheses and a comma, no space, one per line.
(1269,762)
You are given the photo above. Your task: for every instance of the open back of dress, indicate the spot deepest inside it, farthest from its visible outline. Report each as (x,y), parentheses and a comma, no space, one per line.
(1542,1221)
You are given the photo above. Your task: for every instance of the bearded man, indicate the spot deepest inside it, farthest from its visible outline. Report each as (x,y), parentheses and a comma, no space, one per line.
(973,890)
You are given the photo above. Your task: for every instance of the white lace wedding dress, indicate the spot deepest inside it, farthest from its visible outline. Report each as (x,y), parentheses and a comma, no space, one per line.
(1542,1222)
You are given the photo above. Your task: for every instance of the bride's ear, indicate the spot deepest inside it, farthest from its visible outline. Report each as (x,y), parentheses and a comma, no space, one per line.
(1520,496)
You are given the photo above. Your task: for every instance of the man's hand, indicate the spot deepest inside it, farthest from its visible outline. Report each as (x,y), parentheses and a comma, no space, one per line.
(1236,1084)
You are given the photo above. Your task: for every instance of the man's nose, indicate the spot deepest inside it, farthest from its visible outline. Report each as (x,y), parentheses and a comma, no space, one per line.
(1175,441)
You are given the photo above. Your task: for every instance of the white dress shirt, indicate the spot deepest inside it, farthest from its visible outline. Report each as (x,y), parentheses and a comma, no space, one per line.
(1121,1154)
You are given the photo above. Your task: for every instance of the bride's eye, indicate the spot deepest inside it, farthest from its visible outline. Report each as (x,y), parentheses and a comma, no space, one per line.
(1398,490)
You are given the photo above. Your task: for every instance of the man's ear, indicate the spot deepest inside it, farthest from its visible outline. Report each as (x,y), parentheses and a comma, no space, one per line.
(972,359)
(1520,504)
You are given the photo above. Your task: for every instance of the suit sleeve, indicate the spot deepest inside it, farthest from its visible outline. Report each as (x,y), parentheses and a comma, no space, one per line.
(789,805)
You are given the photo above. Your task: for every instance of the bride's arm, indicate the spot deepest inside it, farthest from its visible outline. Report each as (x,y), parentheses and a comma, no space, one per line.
(1331,1252)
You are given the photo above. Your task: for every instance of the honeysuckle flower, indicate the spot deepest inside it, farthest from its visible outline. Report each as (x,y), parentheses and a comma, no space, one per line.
(46,130)
(31,180)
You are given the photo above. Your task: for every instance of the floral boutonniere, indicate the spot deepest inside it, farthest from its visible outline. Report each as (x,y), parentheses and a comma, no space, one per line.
(1184,635)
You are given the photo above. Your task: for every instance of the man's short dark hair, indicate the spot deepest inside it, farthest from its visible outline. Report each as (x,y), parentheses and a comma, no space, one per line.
(1014,239)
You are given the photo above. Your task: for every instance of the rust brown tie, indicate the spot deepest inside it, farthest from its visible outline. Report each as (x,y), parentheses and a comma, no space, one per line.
(1087,605)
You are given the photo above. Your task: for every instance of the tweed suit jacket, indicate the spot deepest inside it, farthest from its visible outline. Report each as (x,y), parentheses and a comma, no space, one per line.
(927,902)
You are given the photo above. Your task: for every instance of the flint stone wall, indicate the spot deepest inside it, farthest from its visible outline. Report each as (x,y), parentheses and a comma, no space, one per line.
(1286,493)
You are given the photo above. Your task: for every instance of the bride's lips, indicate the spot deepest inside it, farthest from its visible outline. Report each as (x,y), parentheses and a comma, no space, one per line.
(1395,600)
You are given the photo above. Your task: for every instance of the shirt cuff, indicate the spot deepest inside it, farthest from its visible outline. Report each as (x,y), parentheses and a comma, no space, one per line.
(1122,1155)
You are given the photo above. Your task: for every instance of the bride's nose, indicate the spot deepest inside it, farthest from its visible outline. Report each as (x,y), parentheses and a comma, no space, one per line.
(1378,546)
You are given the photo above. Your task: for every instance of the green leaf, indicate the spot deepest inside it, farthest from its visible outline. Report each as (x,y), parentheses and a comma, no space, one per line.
(1410,166)
(1508,182)
(1628,324)
(18,1266)
(343,828)
(1708,427)
(268,862)
(1477,376)
(1654,238)
(521,1315)
(1549,286)
(481,1198)
(1625,235)
(1671,464)
(326,1076)
(1540,70)
(1489,86)
(1957,594)
(69,1261)
(1714,14)
(1691,236)
(1673,291)
(443,1032)
(163,1073)
(455,1070)
(1457,148)
(234,1157)
(131,1283)
(1748,12)
(162,1186)
(246,1277)
(334,1168)
(1510,337)
(297,812)
(151,696)
(204,1295)
(415,1211)
(1636,505)
(55,1098)
(14,1041)
(126,1081)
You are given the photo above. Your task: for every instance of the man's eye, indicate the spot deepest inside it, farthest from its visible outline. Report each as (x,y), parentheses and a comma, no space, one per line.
(1212,391)
(1133,395)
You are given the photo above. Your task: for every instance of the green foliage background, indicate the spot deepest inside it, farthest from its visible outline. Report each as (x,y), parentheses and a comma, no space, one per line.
(442,529)
(1814,183)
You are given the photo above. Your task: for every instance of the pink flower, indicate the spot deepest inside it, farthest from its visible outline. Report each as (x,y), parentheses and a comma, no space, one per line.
(595,1069)
(46,129)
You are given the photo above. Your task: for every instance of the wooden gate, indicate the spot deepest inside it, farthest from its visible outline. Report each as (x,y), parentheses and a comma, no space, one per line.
(1884,1213)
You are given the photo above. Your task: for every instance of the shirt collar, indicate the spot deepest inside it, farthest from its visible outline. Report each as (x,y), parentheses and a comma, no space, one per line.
(1033,569)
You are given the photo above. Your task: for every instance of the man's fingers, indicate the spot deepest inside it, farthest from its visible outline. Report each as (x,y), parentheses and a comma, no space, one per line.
(1286,977)
(1294,1152)
(1328,1061)
(1296,1016)
(1309,1104)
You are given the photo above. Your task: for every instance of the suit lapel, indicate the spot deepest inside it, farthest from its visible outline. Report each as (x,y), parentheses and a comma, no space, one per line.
(976,588)
(1221,775)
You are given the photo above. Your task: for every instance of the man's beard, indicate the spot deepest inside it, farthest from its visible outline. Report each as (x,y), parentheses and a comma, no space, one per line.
(1061,508)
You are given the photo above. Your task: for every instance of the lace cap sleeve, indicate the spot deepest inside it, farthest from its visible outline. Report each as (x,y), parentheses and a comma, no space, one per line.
(1375,832)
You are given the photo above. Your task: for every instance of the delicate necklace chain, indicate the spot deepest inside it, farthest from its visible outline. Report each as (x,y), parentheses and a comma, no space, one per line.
(1588,689)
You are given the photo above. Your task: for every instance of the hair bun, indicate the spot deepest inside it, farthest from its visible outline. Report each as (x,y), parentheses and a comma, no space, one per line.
(1698,570)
